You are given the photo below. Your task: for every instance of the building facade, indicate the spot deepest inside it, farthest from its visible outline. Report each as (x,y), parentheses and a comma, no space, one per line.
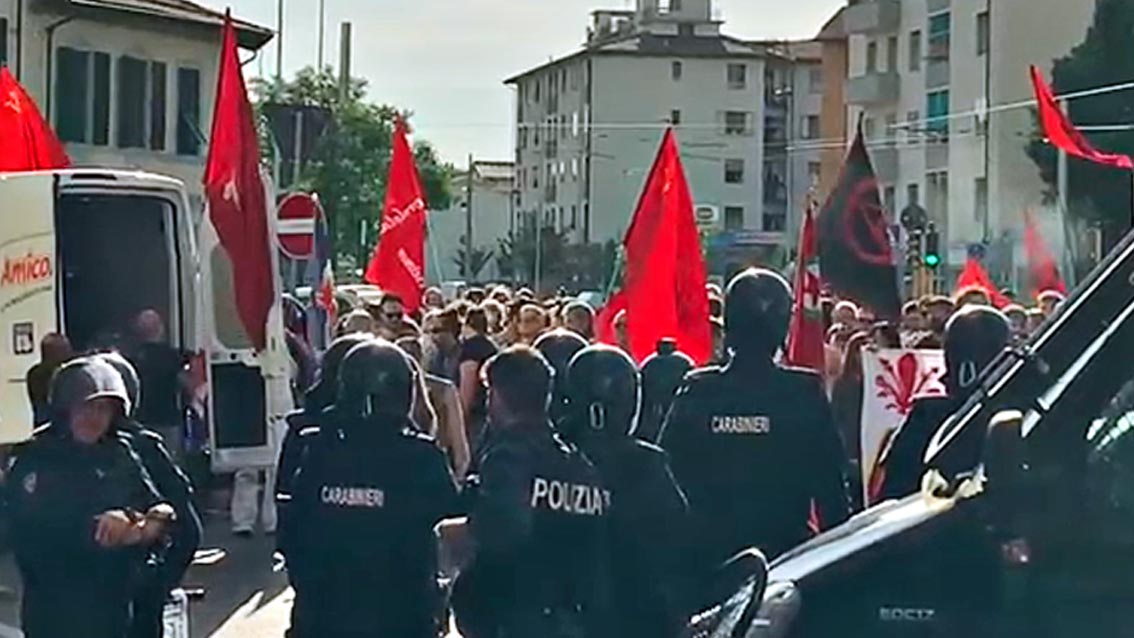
(932,81)
(483,202)
(124,85)
(588,126)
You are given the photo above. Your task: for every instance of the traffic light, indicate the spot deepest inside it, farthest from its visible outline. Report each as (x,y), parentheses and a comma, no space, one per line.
(931,256)
(913,248)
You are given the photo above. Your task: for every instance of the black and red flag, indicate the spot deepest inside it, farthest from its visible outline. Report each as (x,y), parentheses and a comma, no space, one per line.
(855,257)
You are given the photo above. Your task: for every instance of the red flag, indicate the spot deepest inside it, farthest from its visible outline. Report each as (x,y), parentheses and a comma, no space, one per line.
(27,143)
(604,319)
(1041,263)
(665,271)
(975,276)
(805,336)
(398,264)
(1062,134)
(234,189)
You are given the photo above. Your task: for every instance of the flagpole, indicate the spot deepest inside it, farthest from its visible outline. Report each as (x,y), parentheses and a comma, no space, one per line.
(279,39)
(1061,178)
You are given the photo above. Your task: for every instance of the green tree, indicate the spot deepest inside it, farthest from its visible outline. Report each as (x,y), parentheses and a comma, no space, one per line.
(562,263)
(1096,194)
(349,167)
(478,259)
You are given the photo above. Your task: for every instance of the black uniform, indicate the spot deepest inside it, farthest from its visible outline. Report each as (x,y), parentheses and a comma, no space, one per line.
(753,444)
(365,498)
(648,514)
(318,398)
(974,336)
(538,516)
(55,489)
(168,563)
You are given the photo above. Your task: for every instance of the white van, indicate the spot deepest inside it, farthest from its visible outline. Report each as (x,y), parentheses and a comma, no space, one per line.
(84,251)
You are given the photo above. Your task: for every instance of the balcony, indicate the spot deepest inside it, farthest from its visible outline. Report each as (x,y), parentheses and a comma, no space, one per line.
(873,16)
(551,148)
(873,88)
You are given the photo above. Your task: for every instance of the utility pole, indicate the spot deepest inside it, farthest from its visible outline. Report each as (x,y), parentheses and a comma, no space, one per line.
(336,206)
(468,218)
(322,32)
(279,39)
(344,61)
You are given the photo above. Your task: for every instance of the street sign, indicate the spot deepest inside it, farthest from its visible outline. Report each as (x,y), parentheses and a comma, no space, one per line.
(297,213)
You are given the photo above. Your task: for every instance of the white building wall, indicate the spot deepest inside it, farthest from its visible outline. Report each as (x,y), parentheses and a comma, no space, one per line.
(807,100)
(638,90)
(491,223)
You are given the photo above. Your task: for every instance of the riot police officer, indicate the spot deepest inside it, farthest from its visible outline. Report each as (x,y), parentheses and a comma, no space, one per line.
(364,501)
(973,337)
(753,443)
(558,346)
(662,374)
(82,510)
(648,510)
(318,398)
(168,563)
(537,519)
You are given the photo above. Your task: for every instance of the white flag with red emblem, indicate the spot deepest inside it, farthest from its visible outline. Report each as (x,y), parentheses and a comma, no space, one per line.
(892,380)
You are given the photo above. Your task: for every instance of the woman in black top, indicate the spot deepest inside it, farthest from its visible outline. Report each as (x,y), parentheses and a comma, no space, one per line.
(476,348)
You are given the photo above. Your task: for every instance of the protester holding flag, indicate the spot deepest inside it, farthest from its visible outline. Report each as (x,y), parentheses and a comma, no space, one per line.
(238,210)
(664,288)
(975,286)
(805,345)
(855,256)
(398,265)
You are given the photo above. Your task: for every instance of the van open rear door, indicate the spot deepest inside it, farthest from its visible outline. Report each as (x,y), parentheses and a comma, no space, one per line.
(28,291)
(249,392)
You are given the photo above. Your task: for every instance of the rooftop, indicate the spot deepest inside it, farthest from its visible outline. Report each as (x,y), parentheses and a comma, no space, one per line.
(502,171)
(249,35)
(654,45)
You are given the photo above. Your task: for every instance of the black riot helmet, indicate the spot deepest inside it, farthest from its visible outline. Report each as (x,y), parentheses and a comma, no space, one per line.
(757,312)
(662,374)
(603,392)
(558,347)
(326,388)
(376,380)
(974,336)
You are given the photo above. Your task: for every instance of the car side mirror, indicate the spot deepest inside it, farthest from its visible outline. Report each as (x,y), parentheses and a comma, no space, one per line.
(736,573)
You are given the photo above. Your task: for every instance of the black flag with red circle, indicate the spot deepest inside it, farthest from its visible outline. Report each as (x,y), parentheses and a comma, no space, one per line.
(856,259)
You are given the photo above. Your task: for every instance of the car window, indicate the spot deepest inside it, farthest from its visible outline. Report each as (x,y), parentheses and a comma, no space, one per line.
(1109,478)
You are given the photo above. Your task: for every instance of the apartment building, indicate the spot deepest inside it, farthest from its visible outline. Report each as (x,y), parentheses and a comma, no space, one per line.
(923,74)
(125,84)
(588,126)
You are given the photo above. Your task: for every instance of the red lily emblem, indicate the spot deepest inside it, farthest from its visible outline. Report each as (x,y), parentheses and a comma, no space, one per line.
(905,379)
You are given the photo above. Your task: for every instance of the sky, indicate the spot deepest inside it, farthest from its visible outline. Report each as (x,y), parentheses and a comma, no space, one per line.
(445,60)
